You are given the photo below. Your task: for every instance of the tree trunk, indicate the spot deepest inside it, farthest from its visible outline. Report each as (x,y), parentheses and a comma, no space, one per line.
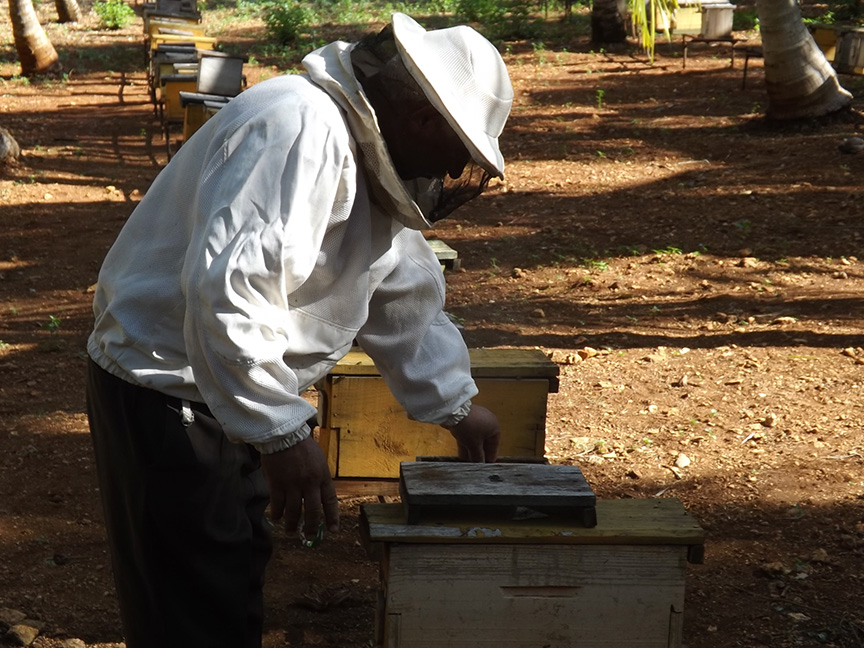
(35,51)
(607,22)
(68,10)
(800,81)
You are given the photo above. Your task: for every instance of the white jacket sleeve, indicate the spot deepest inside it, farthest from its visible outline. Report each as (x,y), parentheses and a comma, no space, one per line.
(417,349)
(269,192)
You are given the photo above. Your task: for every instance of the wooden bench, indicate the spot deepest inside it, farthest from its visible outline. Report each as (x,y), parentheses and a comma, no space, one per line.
(366,433)
(448,257)
(687,41)
(750,51)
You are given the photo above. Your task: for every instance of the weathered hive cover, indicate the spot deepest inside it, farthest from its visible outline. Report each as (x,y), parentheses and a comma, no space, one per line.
(514,490)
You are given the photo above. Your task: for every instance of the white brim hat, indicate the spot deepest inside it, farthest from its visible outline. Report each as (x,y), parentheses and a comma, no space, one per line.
(465,79)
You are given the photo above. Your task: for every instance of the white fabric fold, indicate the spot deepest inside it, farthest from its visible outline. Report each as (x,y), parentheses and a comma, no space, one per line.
(257,256)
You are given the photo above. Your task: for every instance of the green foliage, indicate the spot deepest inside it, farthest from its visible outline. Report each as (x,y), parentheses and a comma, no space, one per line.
(286,20)
(644,15)
(440,6)
(113,14)
(247,9)
(844,11)
(744,227)
(827,18)
(478,10)
(745,19)
(597,264)
(499,19)
(352,12)
(221,14)
(53,324)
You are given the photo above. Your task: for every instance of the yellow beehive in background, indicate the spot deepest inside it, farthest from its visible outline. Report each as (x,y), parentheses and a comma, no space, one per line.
(366,433)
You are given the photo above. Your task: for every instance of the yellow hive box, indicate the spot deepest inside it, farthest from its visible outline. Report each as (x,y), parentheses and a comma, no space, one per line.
(366,433)
(200,42)
(826,38)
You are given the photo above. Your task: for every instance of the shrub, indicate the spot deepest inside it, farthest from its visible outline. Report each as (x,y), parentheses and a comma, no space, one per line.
(286,20)
(499,19)
(479,10)
(745,20)
(114,14)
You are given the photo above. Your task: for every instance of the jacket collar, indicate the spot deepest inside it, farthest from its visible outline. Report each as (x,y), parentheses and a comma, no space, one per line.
(331,69)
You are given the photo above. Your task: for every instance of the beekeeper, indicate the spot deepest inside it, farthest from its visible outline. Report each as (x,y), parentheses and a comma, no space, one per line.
(285,229)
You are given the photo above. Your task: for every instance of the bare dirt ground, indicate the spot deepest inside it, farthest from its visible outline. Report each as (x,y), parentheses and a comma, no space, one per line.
(696,274)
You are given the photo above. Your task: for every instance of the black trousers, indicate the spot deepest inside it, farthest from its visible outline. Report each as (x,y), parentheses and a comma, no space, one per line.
(184,511)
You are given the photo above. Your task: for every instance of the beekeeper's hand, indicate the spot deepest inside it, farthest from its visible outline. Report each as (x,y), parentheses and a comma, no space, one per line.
(301,486)
(477,435)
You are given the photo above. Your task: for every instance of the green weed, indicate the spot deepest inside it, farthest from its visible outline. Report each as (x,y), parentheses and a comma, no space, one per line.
(113,14)
(53,324)
(286,21)
(744,227)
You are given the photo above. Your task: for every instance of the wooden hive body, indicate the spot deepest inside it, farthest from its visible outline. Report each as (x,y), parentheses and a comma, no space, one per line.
(472,580)
(366,433)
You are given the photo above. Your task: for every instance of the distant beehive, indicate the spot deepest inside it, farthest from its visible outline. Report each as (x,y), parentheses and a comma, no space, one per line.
(717,20)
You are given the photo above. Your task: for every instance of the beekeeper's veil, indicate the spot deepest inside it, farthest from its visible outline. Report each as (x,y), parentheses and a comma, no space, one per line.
(464,77)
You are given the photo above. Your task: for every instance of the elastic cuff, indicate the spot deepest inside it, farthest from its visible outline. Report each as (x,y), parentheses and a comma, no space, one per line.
(456,417)
(278,444)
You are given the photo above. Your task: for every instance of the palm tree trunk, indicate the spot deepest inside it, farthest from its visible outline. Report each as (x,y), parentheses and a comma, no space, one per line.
(68,10)
(35,51)
(607,22)
(800,81)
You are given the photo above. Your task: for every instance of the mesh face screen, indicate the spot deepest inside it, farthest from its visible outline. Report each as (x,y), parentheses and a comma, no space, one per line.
(438,198)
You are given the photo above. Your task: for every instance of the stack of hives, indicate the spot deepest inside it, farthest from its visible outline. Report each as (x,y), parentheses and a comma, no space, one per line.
(189,79)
